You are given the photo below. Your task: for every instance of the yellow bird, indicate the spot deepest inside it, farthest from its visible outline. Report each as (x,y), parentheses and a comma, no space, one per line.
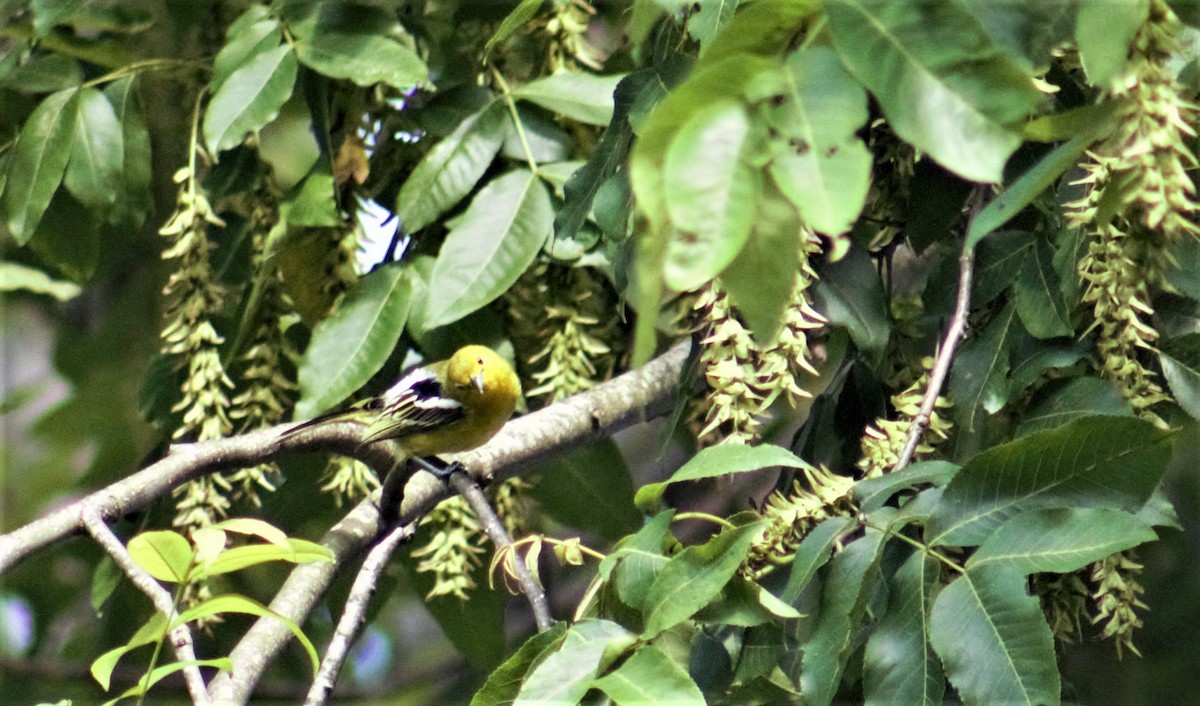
(444,407)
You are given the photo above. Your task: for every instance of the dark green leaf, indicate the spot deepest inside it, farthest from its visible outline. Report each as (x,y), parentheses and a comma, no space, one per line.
(1091,462)
(93,173)
(516,19)
(44,74)
(695,576)
(998,260)
(251,34)
(1180,359)
(1029,185)
(942,83)
(590,489)
(872,493)
(711,190)
(587,98)
(1060,540)
(819,162)
(635,564)
(844,595)
(993,639)
(565,675)
(1033,358)
(250,98)
(38,161)
(451,169)
(716,461)
(649,676)
(1040,302)
(978,380)
(899,666)
(850,294)
(135,169)
(48,13)
(105,580)
(1103,33)
(363,58)
(503,684)
(1027,30)
(1078,398)
(814,551)
(761,279)
(349,347)
(489,246)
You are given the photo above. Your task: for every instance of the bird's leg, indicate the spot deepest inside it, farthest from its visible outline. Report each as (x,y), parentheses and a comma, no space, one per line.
(392,493)
(440,469)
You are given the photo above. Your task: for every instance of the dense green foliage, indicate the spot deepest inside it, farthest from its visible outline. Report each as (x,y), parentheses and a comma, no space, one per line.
(227,215)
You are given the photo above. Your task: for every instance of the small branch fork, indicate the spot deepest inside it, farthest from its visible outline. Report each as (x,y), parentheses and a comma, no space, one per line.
(181,637)
(955,332)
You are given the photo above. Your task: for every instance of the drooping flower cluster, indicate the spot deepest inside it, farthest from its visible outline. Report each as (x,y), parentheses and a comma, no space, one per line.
(743,376)
(454,551)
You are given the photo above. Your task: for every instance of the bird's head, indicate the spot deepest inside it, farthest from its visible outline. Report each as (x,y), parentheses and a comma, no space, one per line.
(479,369)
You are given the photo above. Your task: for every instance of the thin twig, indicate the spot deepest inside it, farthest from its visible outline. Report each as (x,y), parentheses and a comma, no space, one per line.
(955,332)
(354,613)
(494,528)
(181,637)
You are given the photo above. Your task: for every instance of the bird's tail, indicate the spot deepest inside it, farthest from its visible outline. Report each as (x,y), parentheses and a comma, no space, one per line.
(319,419)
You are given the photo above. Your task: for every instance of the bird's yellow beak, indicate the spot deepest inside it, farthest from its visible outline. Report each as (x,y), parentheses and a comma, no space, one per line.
(477,381)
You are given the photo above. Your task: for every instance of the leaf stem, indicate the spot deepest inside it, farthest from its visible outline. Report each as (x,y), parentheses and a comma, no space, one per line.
(512,109)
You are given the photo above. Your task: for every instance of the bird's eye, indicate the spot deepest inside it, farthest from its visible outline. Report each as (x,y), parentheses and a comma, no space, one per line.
(479,361)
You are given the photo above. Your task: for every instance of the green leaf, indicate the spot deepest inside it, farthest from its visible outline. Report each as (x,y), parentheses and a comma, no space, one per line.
(504,683)
(1078,398)
(134,170)
(297,551)
(153,630)
(993,640)
(979,378)
(1091,462)
(314,203)
(1040,302)
(899,666)
(16,277)
(164,554)
(998,261)
(583,97)
(649,676)
(943,85)
(161,672)
(580,191)
(250,98)
(1180,359)
(850,295)
(818,161)
(255,528)
(702,25)
(363,58)
(97,153)
(1034,358)
(349,347)
(520,15)
(814,551)
(451,169)
(872,493)
(566,674)
(1029,185)
(714,461)
(44,74)
(251,34)
(634,565)
(105,580)
(761,278)
(844,595)
(695,576)
(48,13)
(489,246)
(1060,540)
(590,489)
(1103,33)
(233,603)
(711,193)
(38,162)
